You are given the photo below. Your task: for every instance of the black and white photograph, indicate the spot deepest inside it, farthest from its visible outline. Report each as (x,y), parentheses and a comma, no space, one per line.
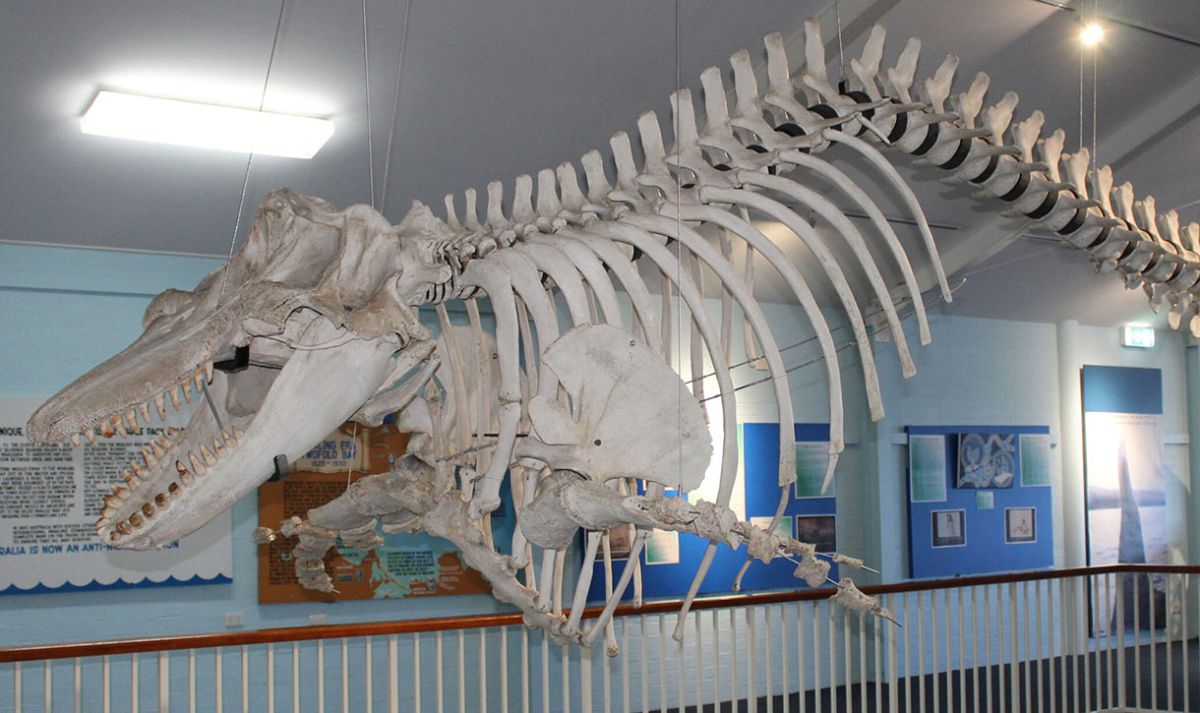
(949,528)
(1020,525)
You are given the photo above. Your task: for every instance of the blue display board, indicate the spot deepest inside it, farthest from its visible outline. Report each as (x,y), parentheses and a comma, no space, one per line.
(1003,527)
(759,450)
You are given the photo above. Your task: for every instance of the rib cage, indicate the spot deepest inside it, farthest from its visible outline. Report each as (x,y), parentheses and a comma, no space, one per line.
(738,162)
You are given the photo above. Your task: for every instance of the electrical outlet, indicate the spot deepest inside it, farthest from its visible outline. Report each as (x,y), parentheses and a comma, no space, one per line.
(316,619)
(234,620)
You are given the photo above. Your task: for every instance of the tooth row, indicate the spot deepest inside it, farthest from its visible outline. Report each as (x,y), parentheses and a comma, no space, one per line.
(199,466)
(123,424)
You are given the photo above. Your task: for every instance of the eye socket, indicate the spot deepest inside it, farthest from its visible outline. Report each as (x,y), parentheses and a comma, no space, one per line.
(166,304)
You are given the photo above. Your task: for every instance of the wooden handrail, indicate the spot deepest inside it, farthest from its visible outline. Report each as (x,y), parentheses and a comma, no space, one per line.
(415,626)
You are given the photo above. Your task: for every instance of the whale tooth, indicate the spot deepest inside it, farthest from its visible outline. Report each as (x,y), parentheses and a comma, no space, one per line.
(160,500)
(174,394)
(186,385)
(123,527)
(208,371)
(75,440)
(131,419)
(106,429)
(238,433)
(160,404)
(196,464)
(117,424)
(198,379)
(144,409)
(91,436)
(148,510)
(156,448)
(173,489)
(121,493)
(219,447)
(135,520)
(227,436)
(208,456)
(187,478)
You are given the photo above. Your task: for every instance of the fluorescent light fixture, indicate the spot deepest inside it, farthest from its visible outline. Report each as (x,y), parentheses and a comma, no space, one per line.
(1092,34)
(1137,335)
(208,126)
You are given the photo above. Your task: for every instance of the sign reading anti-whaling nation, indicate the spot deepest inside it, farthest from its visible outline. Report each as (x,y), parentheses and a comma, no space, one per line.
(50,498)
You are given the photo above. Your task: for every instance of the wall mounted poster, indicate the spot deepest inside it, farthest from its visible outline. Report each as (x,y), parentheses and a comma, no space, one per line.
(1125,473)
(50,499)
(986,460)
(926,467)
(404,566)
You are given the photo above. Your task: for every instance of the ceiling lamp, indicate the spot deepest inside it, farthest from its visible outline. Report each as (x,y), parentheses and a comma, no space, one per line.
(209,126)
(1091,34)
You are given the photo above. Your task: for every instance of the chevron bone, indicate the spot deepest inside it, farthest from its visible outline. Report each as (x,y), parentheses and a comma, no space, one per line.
(576,399)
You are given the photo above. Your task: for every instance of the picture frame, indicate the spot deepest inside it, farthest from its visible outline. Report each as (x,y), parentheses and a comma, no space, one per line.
(986,460)
(948,528)
(1020,525)
(819,530)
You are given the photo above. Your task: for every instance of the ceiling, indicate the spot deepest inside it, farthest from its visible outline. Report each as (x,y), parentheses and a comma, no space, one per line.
(492,90)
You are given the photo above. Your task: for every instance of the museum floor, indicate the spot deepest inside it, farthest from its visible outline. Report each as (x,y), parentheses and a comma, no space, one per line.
(949,698)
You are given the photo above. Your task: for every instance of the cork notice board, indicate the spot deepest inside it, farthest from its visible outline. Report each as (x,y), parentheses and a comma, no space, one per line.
(404,566)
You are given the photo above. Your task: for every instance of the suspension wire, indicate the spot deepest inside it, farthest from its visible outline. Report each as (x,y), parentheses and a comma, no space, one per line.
(262,100)
(837,11)
(387,159)
(935,298)
(1082,52)
(367,88)
(679,263)
(1095,86)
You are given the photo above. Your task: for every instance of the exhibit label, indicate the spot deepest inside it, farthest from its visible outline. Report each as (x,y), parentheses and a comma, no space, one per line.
(50,499)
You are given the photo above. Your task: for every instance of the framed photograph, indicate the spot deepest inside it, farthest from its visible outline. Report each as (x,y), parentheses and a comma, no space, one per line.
(820,530)
(949,528)
(986,460)
(620,541)
(1020,525)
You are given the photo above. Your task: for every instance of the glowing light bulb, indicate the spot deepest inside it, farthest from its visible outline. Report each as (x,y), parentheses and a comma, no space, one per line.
(1092,34)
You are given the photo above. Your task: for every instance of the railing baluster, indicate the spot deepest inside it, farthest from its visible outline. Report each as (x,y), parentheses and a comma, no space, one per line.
(17,687)
(345,662)
(321,676)
(949,619)
(626,692)
(191,681)
(504,669)
(295,677)
(585,678)
(1091,656)
(698,648)
(878,671)
(645,664)
(801,674)
(246,680)
(545,673)
(1183,643)
(271,678)
(462,673)
(78,687)
(933,649)
(987,642)
(1122,689)
(717,654)
(1014,681)
(1137,641)
(48,685)
(832,643)
(483,701)
(752,652)
(816,643)
(416,667)
(1028,651)
(218,687)
(164,681)
(1167,640)
(393,674)
(975,648)
(920,652)
(1153,664)
(862,663)
(525,670)
(1073,622)
(893,694)
(962,658)
(369,670)
(106,685)
(1041,693)
(908,681)
(767,660)
(134,697)
(662,662)
(439,692)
